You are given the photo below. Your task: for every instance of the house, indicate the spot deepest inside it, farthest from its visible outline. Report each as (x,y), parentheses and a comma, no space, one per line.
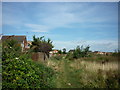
(98,52)
(21,40)
(53,52)
(102,53)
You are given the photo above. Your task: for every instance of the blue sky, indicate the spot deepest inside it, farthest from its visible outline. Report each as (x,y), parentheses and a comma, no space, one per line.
(67,24)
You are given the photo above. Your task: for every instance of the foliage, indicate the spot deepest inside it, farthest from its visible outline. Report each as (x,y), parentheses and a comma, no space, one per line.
(116,53)
(23,73)
(41,45)
(64,50)
(77,74)
(10,49)
(57,57)
(18,71)
(78,53)
(59,52)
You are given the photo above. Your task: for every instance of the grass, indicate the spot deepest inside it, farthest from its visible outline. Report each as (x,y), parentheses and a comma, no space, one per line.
(84,73)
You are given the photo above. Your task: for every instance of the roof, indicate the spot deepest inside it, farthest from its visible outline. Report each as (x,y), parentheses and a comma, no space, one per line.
(17,38)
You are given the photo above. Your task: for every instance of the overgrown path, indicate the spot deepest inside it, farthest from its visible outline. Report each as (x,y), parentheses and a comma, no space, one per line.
(68,76)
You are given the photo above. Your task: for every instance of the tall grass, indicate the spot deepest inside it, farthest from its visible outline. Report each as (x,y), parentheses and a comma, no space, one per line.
(87,72)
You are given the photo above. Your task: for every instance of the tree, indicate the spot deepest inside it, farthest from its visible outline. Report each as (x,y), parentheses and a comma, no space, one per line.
(86,50)
(64,51)
(41,45)
(78,52)
(59,51)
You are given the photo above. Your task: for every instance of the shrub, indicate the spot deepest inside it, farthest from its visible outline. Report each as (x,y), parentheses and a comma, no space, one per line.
(57,57)
(78,53)
(10,49)
(18,71)
(23,73)
(69,56)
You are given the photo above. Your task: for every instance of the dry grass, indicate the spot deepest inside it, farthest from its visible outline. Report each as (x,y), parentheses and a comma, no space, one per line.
(81,72)
(94,66)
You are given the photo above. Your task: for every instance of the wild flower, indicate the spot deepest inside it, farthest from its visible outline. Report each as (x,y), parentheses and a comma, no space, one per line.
(16,58)
(69,83)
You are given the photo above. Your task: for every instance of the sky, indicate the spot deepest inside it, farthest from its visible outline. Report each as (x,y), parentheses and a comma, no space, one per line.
(67,24)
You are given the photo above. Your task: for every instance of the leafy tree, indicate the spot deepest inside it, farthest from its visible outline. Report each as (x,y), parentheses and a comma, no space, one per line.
(41,45)
(59,51)
(78,52)
(64,50)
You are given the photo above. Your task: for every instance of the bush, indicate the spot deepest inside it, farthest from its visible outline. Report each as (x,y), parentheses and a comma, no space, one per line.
(69,56)
(10,49)
(57,57)
(78,53)
(18,71)
(23,73)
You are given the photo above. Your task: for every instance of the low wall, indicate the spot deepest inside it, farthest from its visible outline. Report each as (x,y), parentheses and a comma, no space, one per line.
(39,56)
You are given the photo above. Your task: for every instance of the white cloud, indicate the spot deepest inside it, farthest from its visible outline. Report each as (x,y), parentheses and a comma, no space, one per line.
(60,15)
(67,14)
(56,15)
(37,28)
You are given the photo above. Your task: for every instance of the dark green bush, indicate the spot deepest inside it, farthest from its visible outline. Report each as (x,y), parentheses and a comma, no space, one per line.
(78,53)
(10,49)
(22,73)
(18,71)
(69,56)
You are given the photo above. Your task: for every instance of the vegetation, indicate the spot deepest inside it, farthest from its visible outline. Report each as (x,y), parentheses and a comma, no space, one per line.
(41,45)
(10,49)
(64,51)
(85,74)
(59,52)
(19,71)
(78,52)
(116,53)
(84,69)
(77,69)
(0,65)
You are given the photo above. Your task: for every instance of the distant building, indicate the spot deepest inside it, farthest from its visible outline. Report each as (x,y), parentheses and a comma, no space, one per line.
(21,40)
(102,53)
(53,52)
(98,52)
